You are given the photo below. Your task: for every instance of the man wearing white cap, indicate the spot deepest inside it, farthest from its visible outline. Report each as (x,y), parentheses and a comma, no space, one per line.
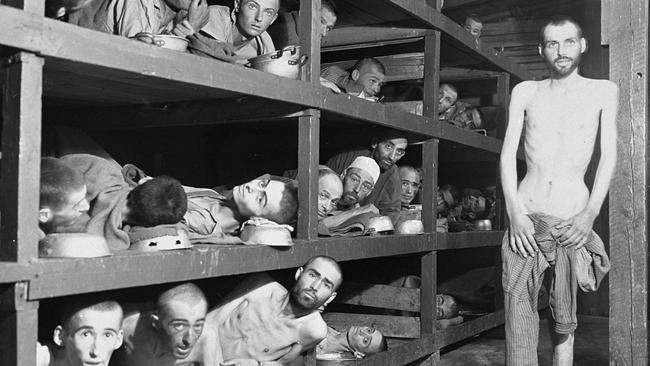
(358,181)
(387,147)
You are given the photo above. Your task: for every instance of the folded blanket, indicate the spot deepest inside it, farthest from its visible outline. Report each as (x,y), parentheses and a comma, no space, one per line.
(354,226)
(107,192)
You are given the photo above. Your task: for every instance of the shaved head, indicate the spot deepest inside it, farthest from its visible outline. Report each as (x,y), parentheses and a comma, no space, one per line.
(186,292)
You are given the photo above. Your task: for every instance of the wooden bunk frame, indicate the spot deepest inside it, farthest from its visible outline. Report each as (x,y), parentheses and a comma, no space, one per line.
(108,76)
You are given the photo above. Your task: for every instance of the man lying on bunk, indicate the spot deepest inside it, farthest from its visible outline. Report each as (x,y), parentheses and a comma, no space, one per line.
(237,35)
(330,190)
(63,205)
(89,332)
(263,323)
(387,148)
(167,334)
(115,204)
(213,217)
(363,80)
(358,182)
(130,17)
(353,343)
(447,98)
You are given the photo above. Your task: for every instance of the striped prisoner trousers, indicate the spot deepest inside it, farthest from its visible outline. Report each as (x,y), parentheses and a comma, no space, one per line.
(522,281)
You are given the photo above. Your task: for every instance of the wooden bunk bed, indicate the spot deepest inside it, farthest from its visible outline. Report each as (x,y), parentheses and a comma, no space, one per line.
(90,74)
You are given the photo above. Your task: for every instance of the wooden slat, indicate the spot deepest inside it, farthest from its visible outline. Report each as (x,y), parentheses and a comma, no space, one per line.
(468,329)
(626,31)
(357,36)
(379,296)
(59,277)
(308,157)
(14,272)
(175,114)
(428,289)
(469,239)
(21,81)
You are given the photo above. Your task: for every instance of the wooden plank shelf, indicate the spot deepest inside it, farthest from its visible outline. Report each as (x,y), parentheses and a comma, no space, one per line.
(469,328)
(469,239)
(367,36)
(60,277)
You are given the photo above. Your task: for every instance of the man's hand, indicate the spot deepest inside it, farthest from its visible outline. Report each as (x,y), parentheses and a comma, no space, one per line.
(578,229)
(330,85)
(198,14)
(521,236)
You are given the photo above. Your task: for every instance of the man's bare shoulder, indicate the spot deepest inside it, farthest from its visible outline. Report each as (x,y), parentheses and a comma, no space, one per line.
(607,87)
(527,89)
(316,328)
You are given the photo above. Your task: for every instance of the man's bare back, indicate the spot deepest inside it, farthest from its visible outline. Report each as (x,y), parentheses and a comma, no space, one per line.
(561,126)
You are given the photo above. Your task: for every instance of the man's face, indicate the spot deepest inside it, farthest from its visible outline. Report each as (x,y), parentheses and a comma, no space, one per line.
(255,16)
(364,339)
(410,184)
(445,306)
(473,27)
(327,21)
(387,153)
(473,205)
(260,197)
(562,48)
(315,284)
(357,185)
(180,324)
(330,190)
(446,98)
(91,336)
(370,79)
(75,205)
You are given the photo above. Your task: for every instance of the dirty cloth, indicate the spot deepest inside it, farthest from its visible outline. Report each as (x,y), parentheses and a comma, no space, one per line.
(523,278)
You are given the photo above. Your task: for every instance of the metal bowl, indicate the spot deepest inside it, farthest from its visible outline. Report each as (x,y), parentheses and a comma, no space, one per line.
(483,225)
(285,62)
(166,242)
(410,227)
(265,232)
(380,224)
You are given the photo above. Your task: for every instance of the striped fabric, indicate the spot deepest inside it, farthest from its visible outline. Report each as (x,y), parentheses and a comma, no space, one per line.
(522,281)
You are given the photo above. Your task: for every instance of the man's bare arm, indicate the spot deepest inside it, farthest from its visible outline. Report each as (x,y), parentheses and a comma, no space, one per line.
(580,225)
(521,228)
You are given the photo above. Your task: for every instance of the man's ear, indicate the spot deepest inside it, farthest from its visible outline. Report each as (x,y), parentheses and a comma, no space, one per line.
(355,75)
(58,336)
(298,273)
(44,215)
(155,320)
(583,45)
(120,339)
(539,50)
(274,18)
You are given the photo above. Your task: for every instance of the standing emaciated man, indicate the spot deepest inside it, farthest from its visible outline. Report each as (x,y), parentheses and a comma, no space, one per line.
(561,116)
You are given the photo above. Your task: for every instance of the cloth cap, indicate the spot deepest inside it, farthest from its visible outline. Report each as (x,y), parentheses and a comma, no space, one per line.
(367,164)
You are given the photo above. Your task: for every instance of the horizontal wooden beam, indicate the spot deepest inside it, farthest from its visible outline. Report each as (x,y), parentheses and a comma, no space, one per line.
(469,239)
(454,4)
(60,277)
(356,36)
(379,296)
(469,328)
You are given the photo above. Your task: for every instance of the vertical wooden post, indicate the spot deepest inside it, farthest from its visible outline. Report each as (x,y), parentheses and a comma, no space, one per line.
(18,326)
(310,39)
(308,155)
(428,266)
(22,78)
(503,101)
(625,29)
